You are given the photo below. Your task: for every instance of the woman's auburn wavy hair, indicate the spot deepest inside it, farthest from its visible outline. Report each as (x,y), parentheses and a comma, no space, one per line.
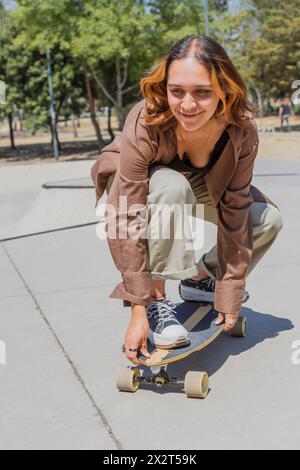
(225,78)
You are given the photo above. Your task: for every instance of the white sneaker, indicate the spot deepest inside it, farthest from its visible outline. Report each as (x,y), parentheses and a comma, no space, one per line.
(165,331)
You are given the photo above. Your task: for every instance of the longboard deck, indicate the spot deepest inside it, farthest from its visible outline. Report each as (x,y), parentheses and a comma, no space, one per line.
(199,320)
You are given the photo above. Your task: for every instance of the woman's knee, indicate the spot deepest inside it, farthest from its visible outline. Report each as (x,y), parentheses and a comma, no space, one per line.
(275,220)
(170,187)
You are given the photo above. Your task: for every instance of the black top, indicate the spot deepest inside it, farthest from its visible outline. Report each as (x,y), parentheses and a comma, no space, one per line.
(185,165)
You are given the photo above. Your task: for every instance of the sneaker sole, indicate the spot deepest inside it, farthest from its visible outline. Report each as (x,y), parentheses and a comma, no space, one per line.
(190,294)
(180,341)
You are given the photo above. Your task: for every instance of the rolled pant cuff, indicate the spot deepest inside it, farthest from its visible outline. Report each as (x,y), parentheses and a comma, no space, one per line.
(176,275)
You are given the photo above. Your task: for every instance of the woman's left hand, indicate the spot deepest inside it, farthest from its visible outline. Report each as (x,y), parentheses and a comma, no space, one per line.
(230,320)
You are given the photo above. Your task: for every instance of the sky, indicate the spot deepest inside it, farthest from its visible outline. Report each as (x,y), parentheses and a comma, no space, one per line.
(9,4)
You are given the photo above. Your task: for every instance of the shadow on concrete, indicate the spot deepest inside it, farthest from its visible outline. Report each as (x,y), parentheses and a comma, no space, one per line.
(80,148)
(261,326)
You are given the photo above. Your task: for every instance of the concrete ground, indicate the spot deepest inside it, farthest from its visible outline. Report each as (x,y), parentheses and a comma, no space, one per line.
(62,334)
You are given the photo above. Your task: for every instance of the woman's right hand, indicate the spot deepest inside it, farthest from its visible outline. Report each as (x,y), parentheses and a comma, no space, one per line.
(137,334)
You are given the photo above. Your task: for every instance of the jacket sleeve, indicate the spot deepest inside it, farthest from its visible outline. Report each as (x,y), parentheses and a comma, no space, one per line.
(234,230)
(126,211)
(105,165)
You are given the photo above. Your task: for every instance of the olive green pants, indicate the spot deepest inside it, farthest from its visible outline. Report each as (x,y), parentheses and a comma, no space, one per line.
(169,257)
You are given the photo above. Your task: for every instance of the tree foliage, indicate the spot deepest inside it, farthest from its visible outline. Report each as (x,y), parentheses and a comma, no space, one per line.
(101,48)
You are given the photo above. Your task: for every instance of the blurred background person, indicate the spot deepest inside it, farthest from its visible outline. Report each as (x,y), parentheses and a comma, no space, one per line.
(285,111)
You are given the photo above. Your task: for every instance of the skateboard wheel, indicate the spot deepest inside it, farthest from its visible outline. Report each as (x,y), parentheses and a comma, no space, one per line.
(127,379)
(240,328)
(196,384)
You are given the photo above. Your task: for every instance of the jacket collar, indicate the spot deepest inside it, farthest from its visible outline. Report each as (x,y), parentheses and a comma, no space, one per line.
(218,178)
(235,135)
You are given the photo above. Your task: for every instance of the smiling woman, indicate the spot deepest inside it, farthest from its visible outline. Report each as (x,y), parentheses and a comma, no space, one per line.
(191,141)
(197,90)
(196,77)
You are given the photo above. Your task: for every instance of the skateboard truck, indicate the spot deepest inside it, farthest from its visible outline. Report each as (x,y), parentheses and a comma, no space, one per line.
(160,376)
(160,379)
(195,384)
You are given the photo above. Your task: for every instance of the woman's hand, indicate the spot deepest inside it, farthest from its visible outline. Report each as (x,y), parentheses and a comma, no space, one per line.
(137,333)
(230,320)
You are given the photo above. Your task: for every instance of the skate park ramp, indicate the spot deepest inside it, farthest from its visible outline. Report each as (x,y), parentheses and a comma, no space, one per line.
(45,205)
(45,197)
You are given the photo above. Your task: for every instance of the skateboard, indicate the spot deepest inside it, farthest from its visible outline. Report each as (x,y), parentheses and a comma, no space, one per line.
(199,319)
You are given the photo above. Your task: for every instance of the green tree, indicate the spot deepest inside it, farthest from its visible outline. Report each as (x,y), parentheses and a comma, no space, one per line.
(176,20)
(24,69)
(114,41)
(7,108)
(106,40)
(265,40)
(277,48)
(2,14)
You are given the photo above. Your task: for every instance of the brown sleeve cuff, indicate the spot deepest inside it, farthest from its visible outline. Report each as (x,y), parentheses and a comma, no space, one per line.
(229,295)
(135,288)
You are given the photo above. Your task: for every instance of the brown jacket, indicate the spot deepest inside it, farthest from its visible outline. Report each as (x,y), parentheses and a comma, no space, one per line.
(129,156)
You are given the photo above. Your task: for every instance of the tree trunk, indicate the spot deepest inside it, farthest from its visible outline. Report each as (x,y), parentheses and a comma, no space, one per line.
(119,81)
(260,104)
(58,142)
(21,126)
(56,134)
(75,133)
(11,131)
(109,128)
(91,103)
